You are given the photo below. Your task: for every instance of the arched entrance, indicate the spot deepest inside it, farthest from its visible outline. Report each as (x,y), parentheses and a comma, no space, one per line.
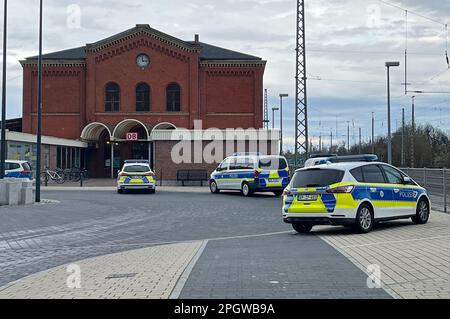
(132,140)
(98,157)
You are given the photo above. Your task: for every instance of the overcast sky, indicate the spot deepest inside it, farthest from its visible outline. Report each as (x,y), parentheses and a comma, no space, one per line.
(348,42)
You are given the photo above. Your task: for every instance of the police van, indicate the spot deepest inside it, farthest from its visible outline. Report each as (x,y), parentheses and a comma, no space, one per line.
(357,194)
(250,173)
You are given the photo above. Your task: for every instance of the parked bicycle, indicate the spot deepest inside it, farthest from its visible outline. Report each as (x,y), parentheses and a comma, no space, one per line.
(56,176)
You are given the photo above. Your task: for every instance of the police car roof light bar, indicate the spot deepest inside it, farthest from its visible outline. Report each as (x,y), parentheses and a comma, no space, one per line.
(247,154)
(322,155)
(354,158)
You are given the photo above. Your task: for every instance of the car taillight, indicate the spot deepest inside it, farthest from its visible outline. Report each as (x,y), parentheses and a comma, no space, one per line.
(25,172)
(123,174)
(150,174)
(341,189)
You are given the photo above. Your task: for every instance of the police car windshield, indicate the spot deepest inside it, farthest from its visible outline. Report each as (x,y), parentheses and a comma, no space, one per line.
(316,178)
(272,163)
(136,169)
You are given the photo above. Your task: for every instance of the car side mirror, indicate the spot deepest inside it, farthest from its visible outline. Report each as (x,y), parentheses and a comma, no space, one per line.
(406,179)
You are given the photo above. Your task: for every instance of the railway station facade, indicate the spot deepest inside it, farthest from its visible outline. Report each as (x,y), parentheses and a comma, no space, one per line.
(127,96)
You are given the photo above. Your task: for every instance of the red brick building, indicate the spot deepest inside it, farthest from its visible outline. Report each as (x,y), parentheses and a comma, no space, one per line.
(141,81)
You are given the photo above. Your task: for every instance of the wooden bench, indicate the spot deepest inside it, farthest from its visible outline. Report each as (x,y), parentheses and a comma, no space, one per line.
(192,175)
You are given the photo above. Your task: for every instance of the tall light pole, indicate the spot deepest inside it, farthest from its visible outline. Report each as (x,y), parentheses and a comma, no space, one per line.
(413,130)
(39,111)
(403,137)
(273,116)
(3,129)
(388,66)
(281,122)
(348,136)
(373,133)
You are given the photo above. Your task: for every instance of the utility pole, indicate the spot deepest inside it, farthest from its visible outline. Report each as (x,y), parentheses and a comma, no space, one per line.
(373,133)
(320,143)
(359,140)
(403,137)
(348,136)
(331,141)
(3,128)
(413,131)
(301,105)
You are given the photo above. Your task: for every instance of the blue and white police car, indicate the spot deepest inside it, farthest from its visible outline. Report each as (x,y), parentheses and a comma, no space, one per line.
(18,169)
(250,173)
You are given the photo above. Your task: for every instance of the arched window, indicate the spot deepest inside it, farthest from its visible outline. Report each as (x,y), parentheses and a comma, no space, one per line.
(142,98)
(112,97)
(173,93)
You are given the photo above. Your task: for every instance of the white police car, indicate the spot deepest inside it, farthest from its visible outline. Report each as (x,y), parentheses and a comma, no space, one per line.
(136,174)
(18,169)
(251,172)
(358,194)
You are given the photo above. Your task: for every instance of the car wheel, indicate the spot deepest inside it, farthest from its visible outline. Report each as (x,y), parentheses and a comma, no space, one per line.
(246,190)
(152,191)
(120,191)
(422,212)
(302,228)
(364,219)
(213,187)
(278,193)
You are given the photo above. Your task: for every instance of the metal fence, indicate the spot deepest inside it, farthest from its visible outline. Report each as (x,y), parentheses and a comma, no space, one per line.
(437,183)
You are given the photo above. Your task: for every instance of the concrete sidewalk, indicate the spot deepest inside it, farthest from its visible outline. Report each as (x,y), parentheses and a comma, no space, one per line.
(150,273)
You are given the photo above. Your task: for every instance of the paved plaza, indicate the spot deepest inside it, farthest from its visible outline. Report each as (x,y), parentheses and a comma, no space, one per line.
(188,243)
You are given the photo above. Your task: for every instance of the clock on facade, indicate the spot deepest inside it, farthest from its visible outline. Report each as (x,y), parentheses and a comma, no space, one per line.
(142,61)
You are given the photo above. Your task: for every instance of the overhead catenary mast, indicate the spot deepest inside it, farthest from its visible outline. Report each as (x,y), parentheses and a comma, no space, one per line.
(301,109)
(266,111)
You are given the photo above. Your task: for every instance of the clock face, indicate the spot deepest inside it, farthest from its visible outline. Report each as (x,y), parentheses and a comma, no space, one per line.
(142,60)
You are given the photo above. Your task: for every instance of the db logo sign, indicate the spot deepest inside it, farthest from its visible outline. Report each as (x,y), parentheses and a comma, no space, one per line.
(132,136)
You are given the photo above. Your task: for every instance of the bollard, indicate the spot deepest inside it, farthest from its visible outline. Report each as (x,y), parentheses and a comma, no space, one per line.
(45,180)
(81,179)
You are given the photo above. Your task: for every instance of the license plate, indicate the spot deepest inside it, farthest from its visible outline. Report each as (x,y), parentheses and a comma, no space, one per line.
(137,177)
(274,180)
(307,198)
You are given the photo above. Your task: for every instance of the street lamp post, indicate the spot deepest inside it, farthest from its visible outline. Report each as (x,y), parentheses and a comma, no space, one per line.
(281,122)
(273,116)
(39,112)
(3,128)
(388,66)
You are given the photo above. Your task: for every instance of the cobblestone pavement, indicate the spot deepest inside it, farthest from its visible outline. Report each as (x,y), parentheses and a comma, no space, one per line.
(414,259)
(149,273)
